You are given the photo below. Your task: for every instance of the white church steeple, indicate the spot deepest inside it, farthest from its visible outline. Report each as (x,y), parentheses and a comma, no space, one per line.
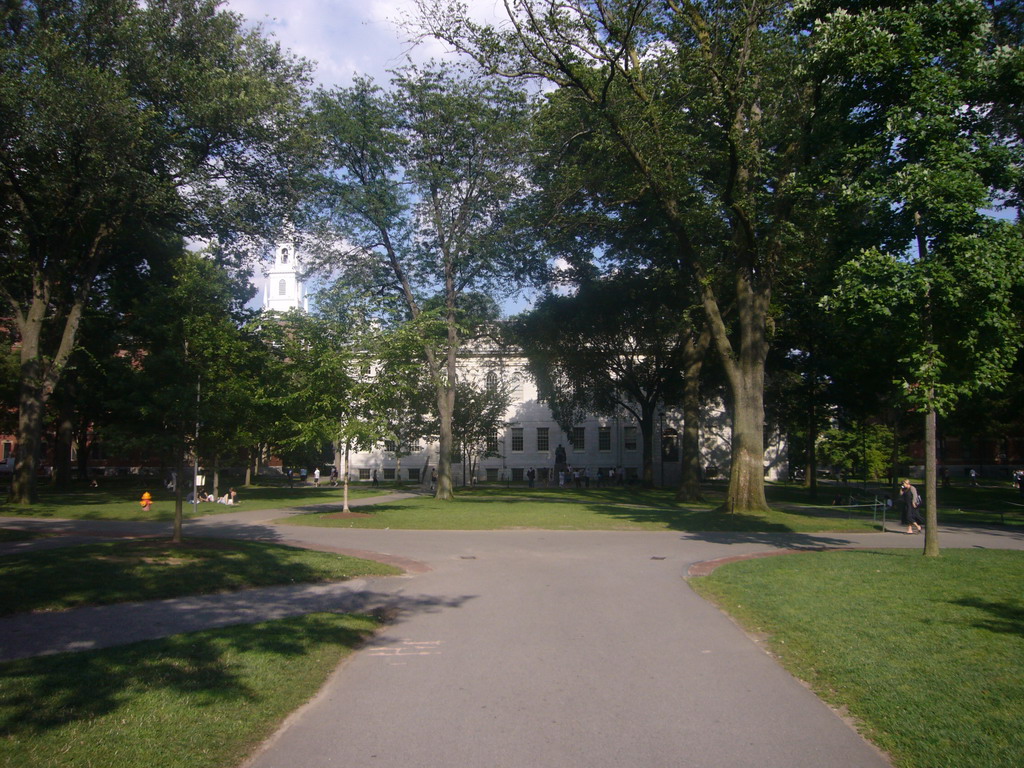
(285,289)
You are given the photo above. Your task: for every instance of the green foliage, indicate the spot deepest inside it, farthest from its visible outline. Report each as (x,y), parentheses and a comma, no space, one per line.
(913,80)
(328,381)
(186,358)
(618,342)
(862,448)
(479,414)
(124,118)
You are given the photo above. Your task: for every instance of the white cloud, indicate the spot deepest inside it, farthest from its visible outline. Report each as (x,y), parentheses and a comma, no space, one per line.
(348,37)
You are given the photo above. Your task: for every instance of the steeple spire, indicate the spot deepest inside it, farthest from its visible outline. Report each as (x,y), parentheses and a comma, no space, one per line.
(285,289)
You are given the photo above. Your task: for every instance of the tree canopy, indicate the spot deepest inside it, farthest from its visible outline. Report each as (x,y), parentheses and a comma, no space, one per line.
(117,115)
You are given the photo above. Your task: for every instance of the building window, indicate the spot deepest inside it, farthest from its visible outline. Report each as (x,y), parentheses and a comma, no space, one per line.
(364,473)
(604,438)
(284,255)
(414,474)
(543,439)
(492,441)
(517,439)
(282,288)
(8,450)
(517,474)
(390,446)
(492,381)
(629,438)
(578,438)
(389,473)
(492,474)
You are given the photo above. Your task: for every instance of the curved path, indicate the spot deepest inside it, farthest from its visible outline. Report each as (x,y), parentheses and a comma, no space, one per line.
(542,649)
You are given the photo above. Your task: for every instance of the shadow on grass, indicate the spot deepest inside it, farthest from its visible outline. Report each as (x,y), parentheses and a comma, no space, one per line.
(150,569)
(195,669)
(1005,616)
(777,539)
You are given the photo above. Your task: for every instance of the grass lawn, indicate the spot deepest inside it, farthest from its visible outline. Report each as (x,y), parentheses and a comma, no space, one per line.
(6,535)
(191,701)
(990,503)
(925,652)
(488,507)
(121,501)
(115,572)
(492,508)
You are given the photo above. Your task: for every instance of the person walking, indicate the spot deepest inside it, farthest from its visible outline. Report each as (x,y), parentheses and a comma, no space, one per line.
(316,477)
(911,516)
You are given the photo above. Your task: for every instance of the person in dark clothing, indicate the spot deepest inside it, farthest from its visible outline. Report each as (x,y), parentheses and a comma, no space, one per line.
(911,515)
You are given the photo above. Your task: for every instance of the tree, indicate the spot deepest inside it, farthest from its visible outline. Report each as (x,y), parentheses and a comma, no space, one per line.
(617,343)
(118,114)
(915,82)
(178,393)
(330,391)
(416,184)
(479,414)
(863,447)
(403,394)
(710,109)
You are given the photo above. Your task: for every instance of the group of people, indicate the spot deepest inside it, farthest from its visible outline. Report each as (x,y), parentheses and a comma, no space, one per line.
(231,497)
(304,476)
(580,478)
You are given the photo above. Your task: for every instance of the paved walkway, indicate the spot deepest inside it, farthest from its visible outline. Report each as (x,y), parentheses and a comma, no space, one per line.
(521,649)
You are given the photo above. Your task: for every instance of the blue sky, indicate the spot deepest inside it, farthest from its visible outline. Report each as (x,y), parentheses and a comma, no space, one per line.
(348,37)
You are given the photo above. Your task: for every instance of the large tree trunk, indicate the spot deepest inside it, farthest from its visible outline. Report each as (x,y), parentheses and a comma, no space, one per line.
(446,384)
(39,376)
(176,537)
(689,482)
(744,367)
(648,437)
(811,450)
(931,523)
(445,409)
(30,435)
(746,478)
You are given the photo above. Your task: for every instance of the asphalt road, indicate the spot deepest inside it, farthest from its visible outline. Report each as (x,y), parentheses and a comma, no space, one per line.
(545,649)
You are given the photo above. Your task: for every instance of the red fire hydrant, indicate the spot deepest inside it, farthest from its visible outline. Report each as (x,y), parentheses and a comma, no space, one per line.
(147,501)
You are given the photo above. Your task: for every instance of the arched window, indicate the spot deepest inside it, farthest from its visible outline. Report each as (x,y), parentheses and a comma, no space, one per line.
(284,256)
(282,288)
(492,381)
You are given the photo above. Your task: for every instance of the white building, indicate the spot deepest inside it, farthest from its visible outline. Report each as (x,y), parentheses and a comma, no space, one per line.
(285,289)
(530,437)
